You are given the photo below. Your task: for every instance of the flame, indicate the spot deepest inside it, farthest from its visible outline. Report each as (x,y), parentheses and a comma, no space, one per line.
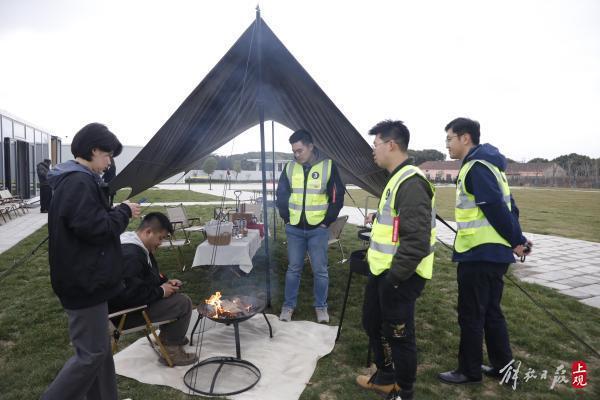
(227,308)
(215,301)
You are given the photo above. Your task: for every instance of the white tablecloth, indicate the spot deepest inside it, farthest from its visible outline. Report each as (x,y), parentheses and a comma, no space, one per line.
(238,252)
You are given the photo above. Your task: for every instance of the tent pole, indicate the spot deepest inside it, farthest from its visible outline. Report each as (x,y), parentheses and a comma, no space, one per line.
(261,117)
(273,196)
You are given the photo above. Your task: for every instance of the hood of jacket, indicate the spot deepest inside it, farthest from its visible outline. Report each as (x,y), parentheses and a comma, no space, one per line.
(60,171)
(131,237)
(318,158)
(488,153)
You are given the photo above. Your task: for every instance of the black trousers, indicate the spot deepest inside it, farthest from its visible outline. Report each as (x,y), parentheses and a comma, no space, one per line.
(389,321)
(45,197)
(480,286)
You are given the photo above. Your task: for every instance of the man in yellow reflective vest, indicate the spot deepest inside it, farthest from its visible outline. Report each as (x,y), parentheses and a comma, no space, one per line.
(400,258)
(489,233)
(310,196)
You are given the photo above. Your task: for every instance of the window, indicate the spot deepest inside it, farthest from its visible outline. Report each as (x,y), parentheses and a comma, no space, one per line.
(29,136)
(45,145)
(19,130)
(7,128)
(2,152)
(38,149)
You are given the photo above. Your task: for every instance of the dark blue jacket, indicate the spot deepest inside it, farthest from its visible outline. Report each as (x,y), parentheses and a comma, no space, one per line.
(482,183)
(86,263)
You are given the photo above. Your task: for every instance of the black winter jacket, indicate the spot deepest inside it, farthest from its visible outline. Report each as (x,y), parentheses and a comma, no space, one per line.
(142,280)
(84,248)
(413,205)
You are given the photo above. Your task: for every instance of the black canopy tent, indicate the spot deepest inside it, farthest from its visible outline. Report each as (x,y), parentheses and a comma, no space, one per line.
(258,79)
(225,104)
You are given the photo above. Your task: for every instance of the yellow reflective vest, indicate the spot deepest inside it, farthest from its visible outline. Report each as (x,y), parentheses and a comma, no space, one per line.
(310,196)
(382,246)
(473,228)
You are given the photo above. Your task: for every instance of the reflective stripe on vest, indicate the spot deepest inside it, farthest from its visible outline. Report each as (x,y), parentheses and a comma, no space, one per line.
(382,248)
(473,228)
(316,201)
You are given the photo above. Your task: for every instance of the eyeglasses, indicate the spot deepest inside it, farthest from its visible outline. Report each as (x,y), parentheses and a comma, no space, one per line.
(449,138)
(374,145)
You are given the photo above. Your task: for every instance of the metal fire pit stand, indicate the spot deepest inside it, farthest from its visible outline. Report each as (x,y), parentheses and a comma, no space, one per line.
(220,368)
(215,372)
(236,330)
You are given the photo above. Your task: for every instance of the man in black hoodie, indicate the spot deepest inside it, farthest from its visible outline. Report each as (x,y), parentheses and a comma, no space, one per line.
(86,262)
(145,284)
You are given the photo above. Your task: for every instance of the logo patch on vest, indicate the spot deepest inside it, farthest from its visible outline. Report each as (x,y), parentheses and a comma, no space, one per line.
(315,175)
(387,194)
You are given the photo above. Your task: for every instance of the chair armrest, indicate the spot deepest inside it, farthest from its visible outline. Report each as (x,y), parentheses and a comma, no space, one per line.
(117,313)
(175,224)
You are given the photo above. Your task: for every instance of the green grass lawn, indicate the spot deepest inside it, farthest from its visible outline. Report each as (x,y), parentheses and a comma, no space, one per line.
(164,196)
(34,342)
(563,212)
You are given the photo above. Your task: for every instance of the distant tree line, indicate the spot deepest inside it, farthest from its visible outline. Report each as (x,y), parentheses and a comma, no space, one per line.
(581,170)
(240,162)
(420,156)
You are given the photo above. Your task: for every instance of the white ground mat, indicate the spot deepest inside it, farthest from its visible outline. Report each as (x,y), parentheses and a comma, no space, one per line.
(286,362)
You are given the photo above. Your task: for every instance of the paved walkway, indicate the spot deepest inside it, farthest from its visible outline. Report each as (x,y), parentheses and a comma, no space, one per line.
(570,266)
(17,229)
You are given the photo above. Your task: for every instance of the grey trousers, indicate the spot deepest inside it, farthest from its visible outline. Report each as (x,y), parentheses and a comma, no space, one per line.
(178,306)
(90,373)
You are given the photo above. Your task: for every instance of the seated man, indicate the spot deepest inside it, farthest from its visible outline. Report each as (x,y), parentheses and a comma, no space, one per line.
(144,284)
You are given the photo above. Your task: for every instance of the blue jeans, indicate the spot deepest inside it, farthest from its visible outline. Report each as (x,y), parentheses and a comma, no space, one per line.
(299,241)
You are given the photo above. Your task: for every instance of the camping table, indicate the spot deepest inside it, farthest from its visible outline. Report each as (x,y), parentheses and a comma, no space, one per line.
(238,252)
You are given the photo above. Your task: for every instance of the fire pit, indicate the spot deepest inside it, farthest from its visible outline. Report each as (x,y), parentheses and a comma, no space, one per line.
(224,376)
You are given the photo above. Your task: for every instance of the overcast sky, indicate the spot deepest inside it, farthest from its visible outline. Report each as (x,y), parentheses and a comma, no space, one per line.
(528,70)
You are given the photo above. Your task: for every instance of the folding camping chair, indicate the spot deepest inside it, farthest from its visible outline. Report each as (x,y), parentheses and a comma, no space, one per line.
(335,231)
(176,245)
(180,221)
(150,328)
(11,203)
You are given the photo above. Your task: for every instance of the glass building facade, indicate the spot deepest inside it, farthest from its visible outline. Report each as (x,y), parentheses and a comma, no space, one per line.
(23,146)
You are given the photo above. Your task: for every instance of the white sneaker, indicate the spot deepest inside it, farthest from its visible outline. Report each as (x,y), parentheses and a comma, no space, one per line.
(322,315)
(286,314)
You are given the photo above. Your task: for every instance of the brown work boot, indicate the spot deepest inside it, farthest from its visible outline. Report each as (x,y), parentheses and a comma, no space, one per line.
(178,356)
(380,381)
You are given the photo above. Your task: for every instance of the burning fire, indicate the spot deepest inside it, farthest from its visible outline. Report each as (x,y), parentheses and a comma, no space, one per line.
(215,301)
(226,308)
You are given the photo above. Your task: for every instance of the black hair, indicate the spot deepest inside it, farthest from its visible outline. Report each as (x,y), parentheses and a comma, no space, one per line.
(95,136)
(156,221)
(47,161)
(460,126)
(301,135)
(393,130)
